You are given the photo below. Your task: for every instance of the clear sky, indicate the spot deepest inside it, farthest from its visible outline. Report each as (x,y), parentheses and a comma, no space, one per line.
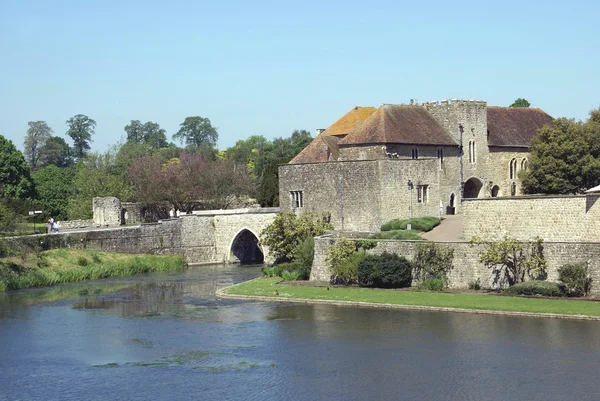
(269,67)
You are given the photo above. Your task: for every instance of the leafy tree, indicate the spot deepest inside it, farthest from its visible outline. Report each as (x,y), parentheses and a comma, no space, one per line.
(189,182)
(15,176)
(54,186)
(81,129)
(511,260)
(197,132)
(520,103)
(56,152)
(148,133)
(37,135)
(565,157)
(433,261)
(284,234)
(96,175)
(268,191)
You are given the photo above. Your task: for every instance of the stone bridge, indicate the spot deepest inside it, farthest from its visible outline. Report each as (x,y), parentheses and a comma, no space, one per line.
(226,235)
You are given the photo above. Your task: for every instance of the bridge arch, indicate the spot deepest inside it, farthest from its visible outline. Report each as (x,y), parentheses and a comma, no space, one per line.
(245,247)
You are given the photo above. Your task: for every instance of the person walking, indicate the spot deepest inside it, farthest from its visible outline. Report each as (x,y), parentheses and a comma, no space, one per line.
(51,225)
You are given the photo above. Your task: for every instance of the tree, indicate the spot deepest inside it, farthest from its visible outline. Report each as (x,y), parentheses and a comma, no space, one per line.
(56,152)
(97,175)
(54,186)
(520,103)
(15,176)
(565,157)
(511,260)
(196,132)
(284,234)
(37,135)
(81,129)
(148,133)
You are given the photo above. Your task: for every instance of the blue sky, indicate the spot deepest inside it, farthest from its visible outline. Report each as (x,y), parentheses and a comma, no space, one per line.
(269,67)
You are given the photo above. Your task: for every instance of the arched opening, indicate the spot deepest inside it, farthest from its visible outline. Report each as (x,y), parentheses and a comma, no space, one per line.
(513,189)
(124,216)
(245,248)
(472,188)
(495,191)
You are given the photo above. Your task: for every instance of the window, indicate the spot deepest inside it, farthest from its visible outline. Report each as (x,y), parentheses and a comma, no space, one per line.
(512,173)
(524,164)
(422,193)
(297,201)
(415,153)
(472,152)
(440,153)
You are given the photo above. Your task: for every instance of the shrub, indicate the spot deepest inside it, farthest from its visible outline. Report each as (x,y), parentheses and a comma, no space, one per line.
(417,224)
(575,279)
(303,272)
(536,287)
(290,276)
(336,259)
(512,260)
(284,234)
(304,254)
(398,234)
(387,270)
(96,258)
(268,271)
(433,261)
(81,261)
(432,284)
(475,285)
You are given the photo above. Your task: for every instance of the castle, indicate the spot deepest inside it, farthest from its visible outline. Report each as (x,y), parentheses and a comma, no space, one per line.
(376,164)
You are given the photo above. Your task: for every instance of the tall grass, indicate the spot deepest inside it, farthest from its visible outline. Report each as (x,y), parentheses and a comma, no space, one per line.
(418,224)
(397,234)
(62,266)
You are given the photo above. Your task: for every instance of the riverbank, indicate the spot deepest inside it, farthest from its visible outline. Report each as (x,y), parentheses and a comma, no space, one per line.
(38,269)
(268,289)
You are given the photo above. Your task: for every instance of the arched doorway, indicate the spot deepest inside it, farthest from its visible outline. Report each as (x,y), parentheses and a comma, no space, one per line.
(245,248)
(472,188)
(495,191)
(451,209)
(124,216)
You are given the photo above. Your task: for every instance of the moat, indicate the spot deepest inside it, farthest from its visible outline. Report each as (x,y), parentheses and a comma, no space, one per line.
(166,336)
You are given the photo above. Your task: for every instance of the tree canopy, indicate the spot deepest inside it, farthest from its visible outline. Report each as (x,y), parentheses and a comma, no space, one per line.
(35,140)
(15,176)
(56,152)
(54,186)
(520,102)
(81,129)
(565,157)
(196,132)
(148,133)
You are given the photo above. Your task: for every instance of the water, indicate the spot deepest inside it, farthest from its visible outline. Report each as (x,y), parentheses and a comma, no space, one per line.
(166,336)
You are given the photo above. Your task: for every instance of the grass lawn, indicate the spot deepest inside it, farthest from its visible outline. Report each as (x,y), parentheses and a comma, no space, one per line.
(265,287)
(69,265)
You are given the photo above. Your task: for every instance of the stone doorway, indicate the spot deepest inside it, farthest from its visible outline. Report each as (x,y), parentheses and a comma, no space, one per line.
(472,188)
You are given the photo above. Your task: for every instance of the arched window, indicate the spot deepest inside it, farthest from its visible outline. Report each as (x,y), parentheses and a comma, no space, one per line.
(513,169)
(472,152)
(524,165)
(415,153)
(440,153)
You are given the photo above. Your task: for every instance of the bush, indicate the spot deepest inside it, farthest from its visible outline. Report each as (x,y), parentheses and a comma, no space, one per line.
(475,285)
(417,224)
(81,261)
(575,279)
(536,287)
(398,234)
(337,258)
(304,255)
(302,271)
(290,276)
(96,258)
(268,271)
(432,284)
(387,270)
(433,261)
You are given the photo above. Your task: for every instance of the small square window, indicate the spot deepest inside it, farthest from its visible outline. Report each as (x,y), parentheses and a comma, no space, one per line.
(422,193)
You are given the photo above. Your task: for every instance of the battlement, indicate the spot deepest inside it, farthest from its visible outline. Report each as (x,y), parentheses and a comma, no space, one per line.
(455,102)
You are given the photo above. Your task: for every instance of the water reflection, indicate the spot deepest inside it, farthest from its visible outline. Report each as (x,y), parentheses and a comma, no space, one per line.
(167,336)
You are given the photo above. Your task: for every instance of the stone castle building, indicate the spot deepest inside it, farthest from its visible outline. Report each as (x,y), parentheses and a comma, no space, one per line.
(373,165)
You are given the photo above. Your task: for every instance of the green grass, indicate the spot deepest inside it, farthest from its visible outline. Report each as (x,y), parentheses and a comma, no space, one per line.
(65,265)
(265,287)
(397,234)
(418,224)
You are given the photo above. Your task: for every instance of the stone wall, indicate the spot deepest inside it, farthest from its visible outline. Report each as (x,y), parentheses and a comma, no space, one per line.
(71,224)
(107,211)
(132,212)
(466,265)
(553,218)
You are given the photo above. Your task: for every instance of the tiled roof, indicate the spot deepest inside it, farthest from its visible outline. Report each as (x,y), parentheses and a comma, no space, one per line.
(514,126)
(348,121)
(318,150)
(400,124)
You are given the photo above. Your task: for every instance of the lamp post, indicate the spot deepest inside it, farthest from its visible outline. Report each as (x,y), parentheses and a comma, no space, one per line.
(410,188)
